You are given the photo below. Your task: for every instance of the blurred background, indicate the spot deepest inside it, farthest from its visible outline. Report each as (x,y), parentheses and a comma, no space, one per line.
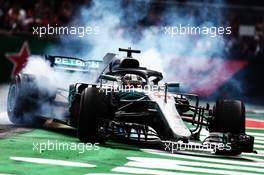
(221,67)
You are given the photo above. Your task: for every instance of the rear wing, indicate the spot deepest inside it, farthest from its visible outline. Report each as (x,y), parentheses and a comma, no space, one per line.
(73,64)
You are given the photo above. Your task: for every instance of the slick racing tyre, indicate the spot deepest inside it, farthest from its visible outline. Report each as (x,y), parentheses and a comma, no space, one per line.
(22,103)
(228,117)
(93,107)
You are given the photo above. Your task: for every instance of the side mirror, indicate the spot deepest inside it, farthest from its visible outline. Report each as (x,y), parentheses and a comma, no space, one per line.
(108,77)
(173,87)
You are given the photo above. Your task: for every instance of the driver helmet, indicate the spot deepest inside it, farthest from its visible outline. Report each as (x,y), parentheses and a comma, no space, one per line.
(132,80)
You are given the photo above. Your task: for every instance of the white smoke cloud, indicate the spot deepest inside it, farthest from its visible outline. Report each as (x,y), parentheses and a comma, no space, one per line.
(119,23)
(41,69)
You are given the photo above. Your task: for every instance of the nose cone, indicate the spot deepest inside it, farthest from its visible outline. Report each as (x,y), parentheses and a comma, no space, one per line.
(171,116)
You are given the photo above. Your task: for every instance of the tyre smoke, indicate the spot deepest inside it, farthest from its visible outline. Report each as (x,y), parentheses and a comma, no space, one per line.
(195,60)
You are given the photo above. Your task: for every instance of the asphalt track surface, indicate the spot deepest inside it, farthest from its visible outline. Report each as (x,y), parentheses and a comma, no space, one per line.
(21,153)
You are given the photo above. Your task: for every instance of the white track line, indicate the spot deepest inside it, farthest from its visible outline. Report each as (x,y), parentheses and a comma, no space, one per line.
(52,162)
(145,171)
(209,153)
(259,154)
(188,169)
(211,158)
(258,138)
(258,146)
(174,164)
(244,155)
(102,174)
(256,134)
(259,141)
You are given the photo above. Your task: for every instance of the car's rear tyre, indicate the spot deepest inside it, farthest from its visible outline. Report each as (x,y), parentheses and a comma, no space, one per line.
(228,117)
(94,107)
(22,102)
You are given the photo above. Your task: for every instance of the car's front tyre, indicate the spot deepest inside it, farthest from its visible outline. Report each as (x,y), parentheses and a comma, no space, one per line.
(228,118)
(94,107)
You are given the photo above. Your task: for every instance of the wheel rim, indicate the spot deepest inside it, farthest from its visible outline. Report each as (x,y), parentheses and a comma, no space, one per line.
(11,101)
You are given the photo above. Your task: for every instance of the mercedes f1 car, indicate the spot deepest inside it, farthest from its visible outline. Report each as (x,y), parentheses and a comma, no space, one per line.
(126,101)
